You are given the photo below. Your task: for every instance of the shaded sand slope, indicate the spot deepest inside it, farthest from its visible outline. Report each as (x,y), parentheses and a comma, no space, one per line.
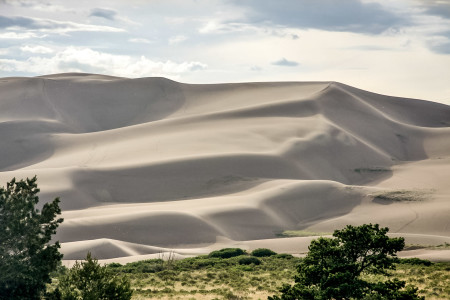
(150,165)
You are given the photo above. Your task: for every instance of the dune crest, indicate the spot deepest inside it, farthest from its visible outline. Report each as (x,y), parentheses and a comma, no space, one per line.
(150,165)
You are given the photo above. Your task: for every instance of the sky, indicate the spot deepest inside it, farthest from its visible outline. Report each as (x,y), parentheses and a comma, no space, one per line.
(393,47)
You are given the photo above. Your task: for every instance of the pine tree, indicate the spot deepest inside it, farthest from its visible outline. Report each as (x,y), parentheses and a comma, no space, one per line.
(332,268)
(26,257)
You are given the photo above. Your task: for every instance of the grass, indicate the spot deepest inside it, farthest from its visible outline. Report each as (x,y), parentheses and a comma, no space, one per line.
(301,233)
(445,246)
(371,170)
(205,277)
(402,195)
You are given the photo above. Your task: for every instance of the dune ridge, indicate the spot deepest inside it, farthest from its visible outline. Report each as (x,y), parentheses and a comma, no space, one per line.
(147,166)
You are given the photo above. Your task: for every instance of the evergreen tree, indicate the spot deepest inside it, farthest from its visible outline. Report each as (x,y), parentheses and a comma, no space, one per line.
(332,268)
(26,257)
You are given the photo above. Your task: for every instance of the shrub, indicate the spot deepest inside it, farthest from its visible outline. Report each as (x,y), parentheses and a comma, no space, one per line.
(415,261)
(248,260)
(284,256)
(90,280)
(227,253)
(263,252)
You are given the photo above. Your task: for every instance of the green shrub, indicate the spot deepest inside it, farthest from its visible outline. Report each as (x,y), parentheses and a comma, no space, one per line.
(283,256)
(415,261)
(227,253)
(248,260)
(90,280)
(145,266)
(263,252)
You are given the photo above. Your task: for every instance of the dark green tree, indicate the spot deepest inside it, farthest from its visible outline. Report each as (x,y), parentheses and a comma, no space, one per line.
(333,267)
(89,280)
(26,257)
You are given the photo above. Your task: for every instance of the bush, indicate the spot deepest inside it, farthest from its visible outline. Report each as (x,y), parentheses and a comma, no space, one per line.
(415,261)
(227,253)
(89,280)
(284,256)
(248,260)
(263,252)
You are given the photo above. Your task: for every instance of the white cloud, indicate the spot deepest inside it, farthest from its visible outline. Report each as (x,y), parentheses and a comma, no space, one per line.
(11,35)
(74,59)
(177,39)
(140,41)
(36,49)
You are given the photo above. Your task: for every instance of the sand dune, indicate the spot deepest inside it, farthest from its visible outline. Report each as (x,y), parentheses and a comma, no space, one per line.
(151,166)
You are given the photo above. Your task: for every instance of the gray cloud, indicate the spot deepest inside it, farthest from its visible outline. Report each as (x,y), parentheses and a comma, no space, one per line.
(331,15)
(438,8)
(6,22)
(51,25)
(443,45)
(285,63)
(105,13)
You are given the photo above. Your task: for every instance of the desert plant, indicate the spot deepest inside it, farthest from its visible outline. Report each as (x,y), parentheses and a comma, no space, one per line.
(227,253)
(263,252)
(248,260)
(89,280)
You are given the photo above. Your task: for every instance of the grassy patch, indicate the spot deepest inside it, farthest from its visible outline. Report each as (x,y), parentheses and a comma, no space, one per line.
(205,277)
(402,195)
(301,233)
(445,246)
(371,170)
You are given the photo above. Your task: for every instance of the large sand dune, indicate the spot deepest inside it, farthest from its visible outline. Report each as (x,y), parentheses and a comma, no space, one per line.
(147,166)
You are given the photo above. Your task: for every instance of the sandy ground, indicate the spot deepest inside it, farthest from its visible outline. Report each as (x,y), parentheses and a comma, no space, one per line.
(148,167)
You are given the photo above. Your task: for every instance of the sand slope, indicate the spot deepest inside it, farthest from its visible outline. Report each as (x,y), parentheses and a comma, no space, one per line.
(149,166)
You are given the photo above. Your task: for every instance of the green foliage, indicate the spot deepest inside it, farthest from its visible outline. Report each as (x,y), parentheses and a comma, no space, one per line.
(145,266)
(263,252)
(203,277)
(415,261)
(89,280)
(26,257)
(248,260)
(332,268)
(227,253)
(284,256)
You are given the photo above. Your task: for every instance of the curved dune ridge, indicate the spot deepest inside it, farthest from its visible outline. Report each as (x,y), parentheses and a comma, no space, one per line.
(148,166)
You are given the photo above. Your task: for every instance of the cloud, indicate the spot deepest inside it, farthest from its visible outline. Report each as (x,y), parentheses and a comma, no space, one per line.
(74,59)
(46,25)
(105,13)
(36,49)
(285,63)
(140,40)
(440,43)
(330,15)
(436,7)
(37,5)
(11,35)
(177,39)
